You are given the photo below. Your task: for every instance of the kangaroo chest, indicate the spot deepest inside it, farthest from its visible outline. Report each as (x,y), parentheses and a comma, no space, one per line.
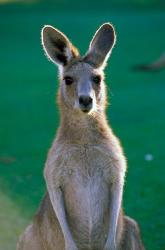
(86,175)
(86,163)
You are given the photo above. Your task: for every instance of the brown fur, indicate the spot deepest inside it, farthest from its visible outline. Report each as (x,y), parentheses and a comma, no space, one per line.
(85,168)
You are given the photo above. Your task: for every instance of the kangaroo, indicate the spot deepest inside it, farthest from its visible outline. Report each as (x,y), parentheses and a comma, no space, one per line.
(85,167)
(158,64)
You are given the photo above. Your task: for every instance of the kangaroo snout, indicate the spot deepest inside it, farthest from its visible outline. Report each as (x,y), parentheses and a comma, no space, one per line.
(85,103)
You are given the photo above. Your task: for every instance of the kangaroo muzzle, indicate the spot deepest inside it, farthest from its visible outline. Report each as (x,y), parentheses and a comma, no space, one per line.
(85,103)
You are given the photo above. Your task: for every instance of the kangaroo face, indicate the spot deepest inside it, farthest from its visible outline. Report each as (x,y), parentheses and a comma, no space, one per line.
(81,78)
(82,87)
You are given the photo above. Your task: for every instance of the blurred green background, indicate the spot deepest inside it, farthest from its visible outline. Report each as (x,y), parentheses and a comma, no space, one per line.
(29,116)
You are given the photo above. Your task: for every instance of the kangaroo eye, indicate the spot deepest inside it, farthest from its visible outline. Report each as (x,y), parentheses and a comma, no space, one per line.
(68,80)
(96,79)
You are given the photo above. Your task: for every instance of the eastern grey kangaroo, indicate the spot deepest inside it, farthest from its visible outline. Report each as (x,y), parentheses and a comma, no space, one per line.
(156,65)
(85,167)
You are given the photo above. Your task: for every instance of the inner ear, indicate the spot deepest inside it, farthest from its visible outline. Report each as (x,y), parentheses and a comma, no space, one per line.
(57,46)
(101,46)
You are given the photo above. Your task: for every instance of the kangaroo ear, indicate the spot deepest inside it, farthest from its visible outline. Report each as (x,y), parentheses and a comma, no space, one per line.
(101,46)
(57,46)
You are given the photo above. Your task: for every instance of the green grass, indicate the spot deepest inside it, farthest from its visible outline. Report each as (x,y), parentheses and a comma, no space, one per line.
(29,116)
(12,222)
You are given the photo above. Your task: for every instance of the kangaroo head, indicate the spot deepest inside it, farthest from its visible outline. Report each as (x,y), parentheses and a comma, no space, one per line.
(82,87)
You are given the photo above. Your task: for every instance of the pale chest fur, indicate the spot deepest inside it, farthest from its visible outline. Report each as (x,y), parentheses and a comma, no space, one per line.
(85,174)
(84,162)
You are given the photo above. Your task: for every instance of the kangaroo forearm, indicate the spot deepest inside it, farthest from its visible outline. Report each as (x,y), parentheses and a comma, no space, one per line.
(115,206)
(57,201)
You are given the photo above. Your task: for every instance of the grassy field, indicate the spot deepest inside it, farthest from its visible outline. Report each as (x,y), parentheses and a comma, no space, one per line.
(29,116)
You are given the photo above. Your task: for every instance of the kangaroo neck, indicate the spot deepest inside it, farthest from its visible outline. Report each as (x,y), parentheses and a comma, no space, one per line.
(80,128)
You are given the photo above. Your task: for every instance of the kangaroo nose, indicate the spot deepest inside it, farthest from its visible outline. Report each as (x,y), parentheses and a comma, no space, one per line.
(85,100)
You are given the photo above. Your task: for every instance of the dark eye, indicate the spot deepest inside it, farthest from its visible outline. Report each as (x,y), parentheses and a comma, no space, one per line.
(96,79)
(68,80)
